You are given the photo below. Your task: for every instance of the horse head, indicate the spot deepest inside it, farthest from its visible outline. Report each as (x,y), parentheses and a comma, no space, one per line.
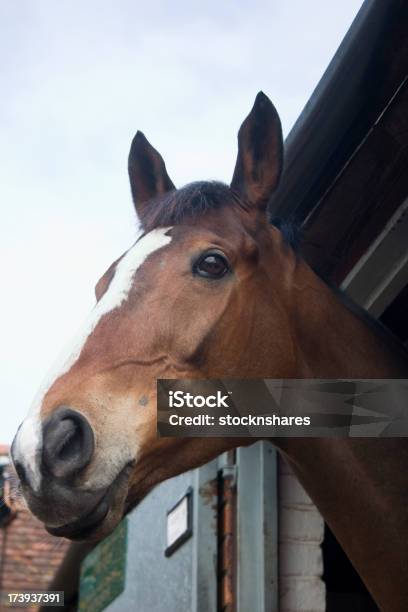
(204,292)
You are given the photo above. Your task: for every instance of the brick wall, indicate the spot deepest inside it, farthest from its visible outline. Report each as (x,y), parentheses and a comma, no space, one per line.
(301,532)
(29,556)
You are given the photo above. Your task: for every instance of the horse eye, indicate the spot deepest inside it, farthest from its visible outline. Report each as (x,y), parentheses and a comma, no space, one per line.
(212,265)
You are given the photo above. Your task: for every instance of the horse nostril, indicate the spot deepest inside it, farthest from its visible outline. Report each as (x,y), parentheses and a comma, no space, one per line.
(68,443)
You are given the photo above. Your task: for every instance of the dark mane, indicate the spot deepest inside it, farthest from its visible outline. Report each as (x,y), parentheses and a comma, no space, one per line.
(196,199)
(193,200)
(290,231)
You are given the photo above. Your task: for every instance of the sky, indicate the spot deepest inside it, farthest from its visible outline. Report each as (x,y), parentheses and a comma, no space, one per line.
(77,80)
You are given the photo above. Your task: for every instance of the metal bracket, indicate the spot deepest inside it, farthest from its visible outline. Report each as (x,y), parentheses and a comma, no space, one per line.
(230,472)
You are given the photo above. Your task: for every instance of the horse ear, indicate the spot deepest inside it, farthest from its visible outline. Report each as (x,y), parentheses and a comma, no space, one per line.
(260,154)
(147,172)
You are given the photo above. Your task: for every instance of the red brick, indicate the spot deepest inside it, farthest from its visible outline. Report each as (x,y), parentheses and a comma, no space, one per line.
(30,554)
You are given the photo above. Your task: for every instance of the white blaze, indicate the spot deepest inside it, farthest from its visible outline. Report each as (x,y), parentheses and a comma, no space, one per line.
(27,444)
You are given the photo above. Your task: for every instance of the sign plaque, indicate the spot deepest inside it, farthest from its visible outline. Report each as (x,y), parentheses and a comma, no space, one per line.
(179,523)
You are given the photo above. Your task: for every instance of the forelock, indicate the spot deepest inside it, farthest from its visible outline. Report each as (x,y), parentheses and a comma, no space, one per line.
(193,200)
(196,200)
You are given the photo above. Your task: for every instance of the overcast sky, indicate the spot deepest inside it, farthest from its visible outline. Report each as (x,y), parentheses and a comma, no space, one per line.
(77,80)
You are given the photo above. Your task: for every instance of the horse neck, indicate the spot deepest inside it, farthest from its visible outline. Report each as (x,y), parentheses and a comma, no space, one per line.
(336,339)
(358,484)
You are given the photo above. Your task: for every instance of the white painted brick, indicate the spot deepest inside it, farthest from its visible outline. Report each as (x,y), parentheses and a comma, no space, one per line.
(305,525)
(291,491)
(300,559)
(302,595)
(301,531)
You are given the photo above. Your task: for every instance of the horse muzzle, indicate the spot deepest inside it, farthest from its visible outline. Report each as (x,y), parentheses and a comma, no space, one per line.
(65,506)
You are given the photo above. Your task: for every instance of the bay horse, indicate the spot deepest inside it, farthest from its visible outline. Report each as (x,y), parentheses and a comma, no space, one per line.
(211,289)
